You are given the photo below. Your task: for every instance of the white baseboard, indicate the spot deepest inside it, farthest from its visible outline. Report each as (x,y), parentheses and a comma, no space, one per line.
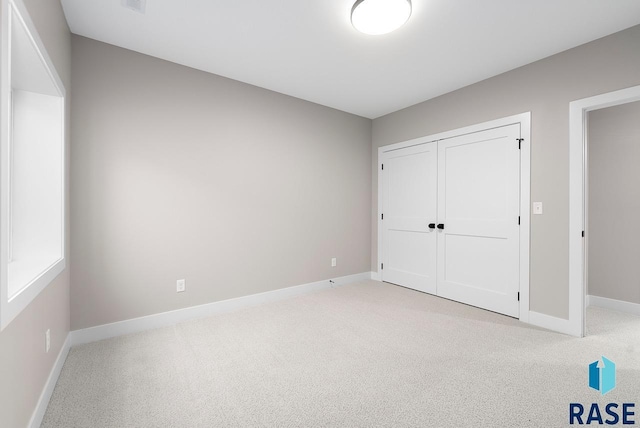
(165,319)
(613,304)
(45,396)
(375,276)
(549,322)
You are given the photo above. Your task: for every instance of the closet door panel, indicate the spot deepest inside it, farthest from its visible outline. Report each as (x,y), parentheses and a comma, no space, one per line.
(409,206)
(478,206)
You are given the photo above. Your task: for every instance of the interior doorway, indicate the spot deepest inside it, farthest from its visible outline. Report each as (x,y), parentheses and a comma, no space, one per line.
(579,200)
(613,208)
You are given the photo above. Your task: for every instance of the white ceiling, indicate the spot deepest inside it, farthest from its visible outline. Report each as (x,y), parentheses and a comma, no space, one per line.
(308,48)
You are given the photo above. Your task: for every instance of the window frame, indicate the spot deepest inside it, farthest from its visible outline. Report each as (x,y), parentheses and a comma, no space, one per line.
(12,307)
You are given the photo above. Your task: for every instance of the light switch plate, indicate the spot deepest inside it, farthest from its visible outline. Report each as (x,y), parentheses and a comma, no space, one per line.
(537,207)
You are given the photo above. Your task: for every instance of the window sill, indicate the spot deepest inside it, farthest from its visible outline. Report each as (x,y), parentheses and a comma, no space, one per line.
(12,306)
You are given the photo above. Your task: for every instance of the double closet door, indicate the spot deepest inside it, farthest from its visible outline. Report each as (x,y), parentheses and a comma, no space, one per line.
(450,218)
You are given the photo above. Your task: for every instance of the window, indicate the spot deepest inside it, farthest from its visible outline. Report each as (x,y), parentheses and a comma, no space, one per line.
(31,165)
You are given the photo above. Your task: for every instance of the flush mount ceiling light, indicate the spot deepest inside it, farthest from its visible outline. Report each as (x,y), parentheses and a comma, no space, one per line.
(380,16)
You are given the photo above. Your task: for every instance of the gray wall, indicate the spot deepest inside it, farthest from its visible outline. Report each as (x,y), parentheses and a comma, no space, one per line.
(614,202)
(178,173)
(545,88)
(24,365)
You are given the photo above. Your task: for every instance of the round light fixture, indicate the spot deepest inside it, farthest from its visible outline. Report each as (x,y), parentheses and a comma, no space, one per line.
(380,16)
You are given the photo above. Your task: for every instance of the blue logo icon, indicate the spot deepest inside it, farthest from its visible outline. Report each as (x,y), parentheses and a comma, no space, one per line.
(602,375)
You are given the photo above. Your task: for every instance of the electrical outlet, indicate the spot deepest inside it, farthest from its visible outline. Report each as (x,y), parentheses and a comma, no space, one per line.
(181,285)
(47,340)
(334,262)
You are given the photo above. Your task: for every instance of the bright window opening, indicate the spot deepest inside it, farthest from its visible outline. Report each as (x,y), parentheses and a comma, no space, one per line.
(31,165)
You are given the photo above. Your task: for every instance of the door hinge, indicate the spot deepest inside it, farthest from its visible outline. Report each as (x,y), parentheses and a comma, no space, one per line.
(518,296)
(381,266)
(518,219)
(520,140)
(381,216)
(382,165)
(583,233)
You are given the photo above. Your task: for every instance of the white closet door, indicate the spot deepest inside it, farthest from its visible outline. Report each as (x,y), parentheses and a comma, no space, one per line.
(409,206)
(478,199)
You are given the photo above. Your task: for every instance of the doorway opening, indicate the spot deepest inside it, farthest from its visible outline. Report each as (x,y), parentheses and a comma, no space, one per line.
(579,199)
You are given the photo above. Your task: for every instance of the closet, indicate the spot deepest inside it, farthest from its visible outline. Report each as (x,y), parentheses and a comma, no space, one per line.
(450,217)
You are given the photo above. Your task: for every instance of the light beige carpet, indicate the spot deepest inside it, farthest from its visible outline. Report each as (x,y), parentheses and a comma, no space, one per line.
(363,355)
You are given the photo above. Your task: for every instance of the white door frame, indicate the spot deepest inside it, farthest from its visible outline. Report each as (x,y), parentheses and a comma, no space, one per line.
(524,119)
(578,192)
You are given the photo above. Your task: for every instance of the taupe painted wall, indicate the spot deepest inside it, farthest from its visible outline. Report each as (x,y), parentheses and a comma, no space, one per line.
(545,88)
(614,202)
(178,173)
(24,365)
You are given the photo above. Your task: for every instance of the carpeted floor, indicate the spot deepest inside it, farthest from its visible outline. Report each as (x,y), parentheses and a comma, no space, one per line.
(362,355)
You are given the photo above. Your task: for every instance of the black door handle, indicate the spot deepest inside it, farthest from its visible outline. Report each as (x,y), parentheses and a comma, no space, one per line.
(441,226)
(432,225)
